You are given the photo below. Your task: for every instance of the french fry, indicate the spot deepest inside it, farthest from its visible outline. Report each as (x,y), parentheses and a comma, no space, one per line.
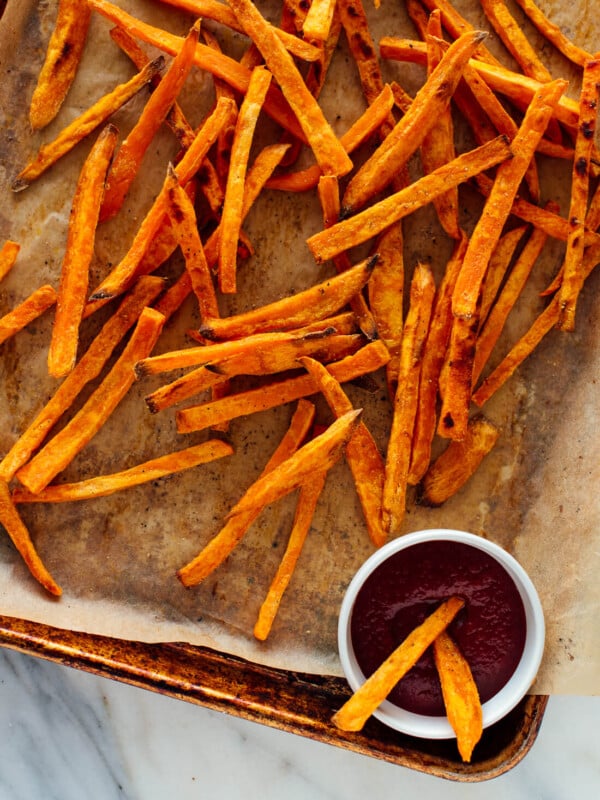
(362,47)
(395,150)
(152,470)
(329,153)
(356,711)
(572,281)
(81,235)
(8,256)
(84,124)
(492,328)
(553,33)
(259,172)
(15,528)
(66,444)
(31,308)
(515,86)
(460,693)
(316,302)
(457,25)
(500,261)
(236,74)
(132,150)
(218,11)
(397,462)
(318,20)
(269,360)
(125,272)
(231,220)
(375,219)
(317,455)
(358,132)
(329,197)
(221,545)
(60,66)
(362,454)
(184,222)
(437,147)
(458,377)
(515,41)
(368,359)
(308,498)
(386,293)
(88,368)
(434,352)
(499,203)
(453,468)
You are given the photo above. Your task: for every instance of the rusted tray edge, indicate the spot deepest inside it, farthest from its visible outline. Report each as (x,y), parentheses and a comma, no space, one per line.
(293,702)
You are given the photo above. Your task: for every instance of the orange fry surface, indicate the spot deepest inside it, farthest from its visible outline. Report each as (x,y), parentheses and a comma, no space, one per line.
(8,256)
(31,308)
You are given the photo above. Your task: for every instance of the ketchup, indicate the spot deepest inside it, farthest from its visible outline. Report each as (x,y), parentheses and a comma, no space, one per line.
(410,585)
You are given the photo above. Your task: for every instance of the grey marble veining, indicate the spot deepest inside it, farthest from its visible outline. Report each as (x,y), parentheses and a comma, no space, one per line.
(66,735)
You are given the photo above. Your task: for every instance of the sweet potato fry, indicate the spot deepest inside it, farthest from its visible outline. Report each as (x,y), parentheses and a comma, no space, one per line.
(515,86)
(434,352)
(308,498)
(317,455)
(362,47)
(221,545)
(88,367)
(395,150)
(31,308)
(267,360)
(60,66)
(329,198)
(492,328)
(437,147)
(362,454)
(102,485)
(132,150)
(397,463)
(358,132)
(318,20)
(63,447)
(231,220)
(386,296)
(368,359)
(572,281)
(457,25)
(515,41)
(15,527)
(365,700)
(8,256)
(499,203)
(458,377)
(84,124)
(79,251)
(316,302)
(236,74)
(218,11)
(553,33)
(373,220)
(184,222)
(500,261)
(453,468)
(329,153)
(460,693)
(121,277)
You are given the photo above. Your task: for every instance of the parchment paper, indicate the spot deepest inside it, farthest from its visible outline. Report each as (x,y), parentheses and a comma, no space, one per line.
(116,557)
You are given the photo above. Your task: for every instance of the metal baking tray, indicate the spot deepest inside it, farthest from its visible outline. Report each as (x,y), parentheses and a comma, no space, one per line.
(290,701)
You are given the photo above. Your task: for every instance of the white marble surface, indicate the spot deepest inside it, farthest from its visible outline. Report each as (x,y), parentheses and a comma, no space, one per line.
(67,735)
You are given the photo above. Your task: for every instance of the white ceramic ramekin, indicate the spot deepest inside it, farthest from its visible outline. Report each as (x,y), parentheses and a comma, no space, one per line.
(512,692)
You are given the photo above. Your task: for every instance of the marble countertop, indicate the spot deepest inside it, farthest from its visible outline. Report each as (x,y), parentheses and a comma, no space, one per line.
(66,734)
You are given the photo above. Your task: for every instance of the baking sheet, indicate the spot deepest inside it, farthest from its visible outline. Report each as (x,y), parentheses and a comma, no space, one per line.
(116,557)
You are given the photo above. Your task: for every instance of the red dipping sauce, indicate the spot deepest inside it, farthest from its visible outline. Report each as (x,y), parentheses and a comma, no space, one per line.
(402,591)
